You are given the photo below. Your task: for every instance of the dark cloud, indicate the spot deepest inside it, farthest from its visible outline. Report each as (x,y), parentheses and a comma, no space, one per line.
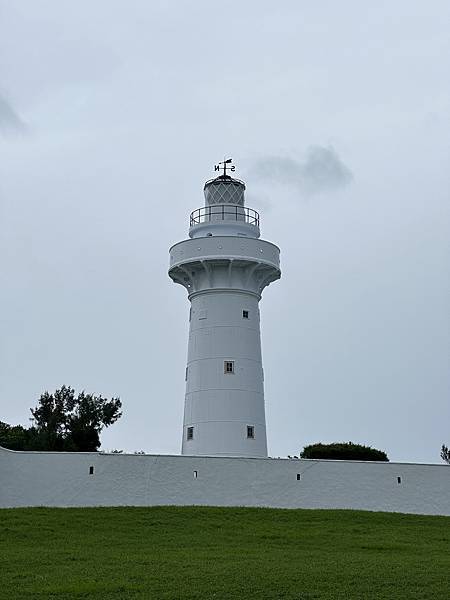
(10,122)
(321,170)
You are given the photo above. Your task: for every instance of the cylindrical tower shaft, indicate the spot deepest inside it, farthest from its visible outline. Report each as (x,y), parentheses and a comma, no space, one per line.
(224,382)
(224,267)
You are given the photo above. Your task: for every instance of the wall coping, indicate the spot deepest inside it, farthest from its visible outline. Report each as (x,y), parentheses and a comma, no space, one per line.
(187,456)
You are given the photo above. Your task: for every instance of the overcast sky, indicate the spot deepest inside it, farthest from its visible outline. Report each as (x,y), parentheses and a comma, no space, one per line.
(112,115)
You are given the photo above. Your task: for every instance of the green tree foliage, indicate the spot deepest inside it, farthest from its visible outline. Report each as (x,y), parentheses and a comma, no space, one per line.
(343,451)
(16,437)
(445,454)
(64,421)
(69,422)
(13,437)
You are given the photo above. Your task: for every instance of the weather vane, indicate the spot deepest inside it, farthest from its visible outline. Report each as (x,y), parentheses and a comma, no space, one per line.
(224,167)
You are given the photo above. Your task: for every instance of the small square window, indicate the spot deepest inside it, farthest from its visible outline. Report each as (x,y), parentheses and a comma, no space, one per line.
(299,476)
(91,470)
(228,366)
(190,433)
(250,431)
(245,314)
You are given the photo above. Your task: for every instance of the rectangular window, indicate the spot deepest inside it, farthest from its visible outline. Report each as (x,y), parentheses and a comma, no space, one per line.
(190,433)
(186,374)
(299,476)
(250,431)
(203,314)
(399,479)
(190,313)
(245,314)
(91,470)
(195,474)
(228,366)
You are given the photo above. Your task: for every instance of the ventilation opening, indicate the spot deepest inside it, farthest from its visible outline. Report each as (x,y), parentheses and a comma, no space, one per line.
(250,431)
(228,366)
(299,476)
(91,470)
(190,433)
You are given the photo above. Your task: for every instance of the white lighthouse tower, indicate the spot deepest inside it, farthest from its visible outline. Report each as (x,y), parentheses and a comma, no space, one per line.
(224,266)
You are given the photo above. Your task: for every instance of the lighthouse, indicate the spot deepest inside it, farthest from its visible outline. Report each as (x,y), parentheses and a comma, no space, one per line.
(224,266)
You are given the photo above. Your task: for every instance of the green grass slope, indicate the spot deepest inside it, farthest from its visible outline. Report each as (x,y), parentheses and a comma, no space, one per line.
(194,552)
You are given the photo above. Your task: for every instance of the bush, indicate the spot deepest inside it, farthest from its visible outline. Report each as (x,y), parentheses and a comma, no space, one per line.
(13,437)
(343,451)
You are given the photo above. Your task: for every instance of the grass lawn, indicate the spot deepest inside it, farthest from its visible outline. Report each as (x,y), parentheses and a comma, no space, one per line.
(194,552)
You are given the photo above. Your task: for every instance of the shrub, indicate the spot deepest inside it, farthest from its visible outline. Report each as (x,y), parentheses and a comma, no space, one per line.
(343,451)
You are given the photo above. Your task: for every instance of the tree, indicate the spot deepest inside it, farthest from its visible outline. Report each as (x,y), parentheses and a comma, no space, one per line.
(445,454)
(13,437)
(16,437)
(343,451)
(64,421)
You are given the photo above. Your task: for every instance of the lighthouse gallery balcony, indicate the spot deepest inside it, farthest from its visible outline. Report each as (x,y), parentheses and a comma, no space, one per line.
(224,219)
(224,212)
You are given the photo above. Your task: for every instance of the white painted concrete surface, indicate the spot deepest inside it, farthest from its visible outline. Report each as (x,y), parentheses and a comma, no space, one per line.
(224,268)
(63,479)
(219,405)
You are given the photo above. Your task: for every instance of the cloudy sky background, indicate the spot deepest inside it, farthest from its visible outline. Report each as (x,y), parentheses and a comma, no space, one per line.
(112,115)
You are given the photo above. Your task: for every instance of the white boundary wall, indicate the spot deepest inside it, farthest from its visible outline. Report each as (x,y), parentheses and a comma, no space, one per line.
(64,479)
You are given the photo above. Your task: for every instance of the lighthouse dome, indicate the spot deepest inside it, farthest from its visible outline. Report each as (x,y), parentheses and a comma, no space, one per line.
(224,190)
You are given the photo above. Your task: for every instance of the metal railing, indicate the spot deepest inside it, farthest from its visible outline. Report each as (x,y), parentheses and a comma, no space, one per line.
(224,212)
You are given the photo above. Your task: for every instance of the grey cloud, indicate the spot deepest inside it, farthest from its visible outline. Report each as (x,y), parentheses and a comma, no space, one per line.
(10,122)
(321,170)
